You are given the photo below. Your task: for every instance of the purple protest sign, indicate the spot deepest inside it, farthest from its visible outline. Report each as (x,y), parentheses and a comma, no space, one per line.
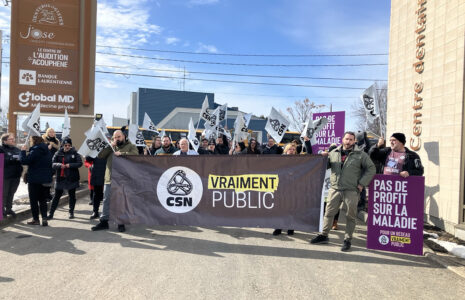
(395,214)
(2,161)
(333,131)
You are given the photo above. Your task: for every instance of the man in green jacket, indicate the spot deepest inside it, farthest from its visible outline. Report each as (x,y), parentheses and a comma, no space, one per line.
(122,146)
(351,171)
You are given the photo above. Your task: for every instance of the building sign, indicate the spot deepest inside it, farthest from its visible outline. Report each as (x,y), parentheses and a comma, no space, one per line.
(415,141)
(45,55)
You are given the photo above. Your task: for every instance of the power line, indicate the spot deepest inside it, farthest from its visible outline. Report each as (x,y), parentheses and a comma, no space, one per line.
(242,75)
(233,81)
(244,54)
(242,64)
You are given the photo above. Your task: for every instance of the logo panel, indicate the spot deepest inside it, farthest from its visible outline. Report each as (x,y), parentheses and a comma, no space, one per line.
(179,190)
(27,77)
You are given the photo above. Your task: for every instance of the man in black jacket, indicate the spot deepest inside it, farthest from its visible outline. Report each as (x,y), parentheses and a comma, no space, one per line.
(398,159)
(11,173)
(222,145)
(271,147)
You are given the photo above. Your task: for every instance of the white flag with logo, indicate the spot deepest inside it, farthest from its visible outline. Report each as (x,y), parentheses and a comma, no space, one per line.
(135,136)
(204,112)
(24,124)
(94,143)
(148,124)
(276,125)
(192,137)
(222,112)
(212,132)
(240,129)
(102,125)
(312,128)
(247,118)
(370,102)
(162,133)
(66,125)
(214,118)
(33,124)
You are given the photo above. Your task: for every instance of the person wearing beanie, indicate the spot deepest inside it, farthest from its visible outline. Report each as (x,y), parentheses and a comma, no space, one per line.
(66,163)
(397,159)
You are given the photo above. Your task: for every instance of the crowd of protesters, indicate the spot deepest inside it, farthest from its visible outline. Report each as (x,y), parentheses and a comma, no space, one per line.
(54,164)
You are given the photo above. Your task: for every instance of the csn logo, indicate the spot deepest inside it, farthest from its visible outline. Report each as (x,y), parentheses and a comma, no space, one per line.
(179,190)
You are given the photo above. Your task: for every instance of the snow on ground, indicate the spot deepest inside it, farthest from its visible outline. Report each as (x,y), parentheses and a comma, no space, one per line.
(430,234)
(452,248)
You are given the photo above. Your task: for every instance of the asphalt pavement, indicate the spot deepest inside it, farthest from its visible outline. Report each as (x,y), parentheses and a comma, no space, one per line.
(68,261)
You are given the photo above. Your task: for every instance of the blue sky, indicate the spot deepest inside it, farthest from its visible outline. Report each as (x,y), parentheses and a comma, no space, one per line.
(235,27)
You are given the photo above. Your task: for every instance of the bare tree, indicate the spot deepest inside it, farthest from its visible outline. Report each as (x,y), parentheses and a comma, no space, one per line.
(377,127)
(4,117)
(300,112)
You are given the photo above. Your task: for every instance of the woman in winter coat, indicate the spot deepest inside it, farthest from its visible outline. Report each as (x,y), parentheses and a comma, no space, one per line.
(11,173)
(252,148)
(291,149)
(66,162)
(39,177)
(52,142)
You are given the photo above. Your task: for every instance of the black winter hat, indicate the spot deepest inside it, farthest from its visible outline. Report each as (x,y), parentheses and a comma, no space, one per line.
(399,136)
(67,140)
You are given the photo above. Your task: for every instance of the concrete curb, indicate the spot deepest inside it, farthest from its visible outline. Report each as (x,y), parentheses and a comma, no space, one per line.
(447,261)
(25,213)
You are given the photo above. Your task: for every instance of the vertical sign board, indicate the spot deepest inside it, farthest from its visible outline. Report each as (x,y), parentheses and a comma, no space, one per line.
(395,214)
(45,55)
(2,162)
(333,131)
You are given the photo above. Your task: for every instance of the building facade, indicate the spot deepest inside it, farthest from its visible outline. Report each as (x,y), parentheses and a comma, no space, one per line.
(426,99)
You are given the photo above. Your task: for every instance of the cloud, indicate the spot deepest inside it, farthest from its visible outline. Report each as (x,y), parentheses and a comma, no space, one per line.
(123,25)
(171,40)
(208,48)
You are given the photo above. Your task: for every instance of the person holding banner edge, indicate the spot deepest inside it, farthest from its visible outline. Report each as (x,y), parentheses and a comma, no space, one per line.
(397,159)
(291,149)
(351,171)
(121,146)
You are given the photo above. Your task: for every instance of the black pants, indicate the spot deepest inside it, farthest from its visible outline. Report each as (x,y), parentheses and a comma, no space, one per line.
(10,185)
(57,196)
(38,199)
(98,197)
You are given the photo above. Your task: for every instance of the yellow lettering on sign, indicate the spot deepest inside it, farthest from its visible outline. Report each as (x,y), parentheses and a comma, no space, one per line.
(400,239)
(242,183)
